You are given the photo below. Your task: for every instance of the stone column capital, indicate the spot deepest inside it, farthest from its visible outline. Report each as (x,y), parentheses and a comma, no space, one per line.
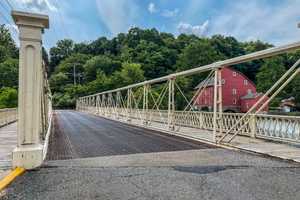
(30,25)
(30,19)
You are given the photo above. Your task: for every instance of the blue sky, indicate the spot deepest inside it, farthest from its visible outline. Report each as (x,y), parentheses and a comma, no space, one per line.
(274,21)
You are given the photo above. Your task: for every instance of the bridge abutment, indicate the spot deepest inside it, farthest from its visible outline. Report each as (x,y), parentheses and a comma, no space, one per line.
(29,151)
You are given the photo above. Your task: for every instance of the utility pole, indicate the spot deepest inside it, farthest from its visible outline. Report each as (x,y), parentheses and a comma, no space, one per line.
(74,73)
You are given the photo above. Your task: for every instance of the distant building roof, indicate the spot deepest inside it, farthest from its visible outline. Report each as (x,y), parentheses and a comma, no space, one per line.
(288,102)
(209,82)
(251,95)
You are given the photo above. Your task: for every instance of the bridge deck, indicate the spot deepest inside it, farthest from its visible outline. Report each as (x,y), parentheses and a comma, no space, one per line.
(175,169)
(79,135)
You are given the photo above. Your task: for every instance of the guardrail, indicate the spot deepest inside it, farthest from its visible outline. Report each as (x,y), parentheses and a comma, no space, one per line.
(274,127)
(7,116)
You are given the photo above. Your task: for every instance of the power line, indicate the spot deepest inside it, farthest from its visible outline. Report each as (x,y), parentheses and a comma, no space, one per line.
(2,14)
(62,20)
(4,7)
(9,4)
(6,19)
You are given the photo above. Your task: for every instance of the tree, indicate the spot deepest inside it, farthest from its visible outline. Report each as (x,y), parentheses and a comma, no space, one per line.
(269,73)
(9,73)
(7,43)
(229,47)
(8,97)
(129,74)
(63,49)
(198,54)
(101,63)
(73,64)
(140,54)
(58,82)
(101,83)
(101,46)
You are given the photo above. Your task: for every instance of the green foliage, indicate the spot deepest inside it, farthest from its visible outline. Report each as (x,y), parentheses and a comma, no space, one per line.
(198,53)
(63,100)
(8,69)
(9,73)
(139,55)
(101,83)
(101,63)
(269,73)
(8,97)
(63,49)
(129,74)
(58,82)
(7,43)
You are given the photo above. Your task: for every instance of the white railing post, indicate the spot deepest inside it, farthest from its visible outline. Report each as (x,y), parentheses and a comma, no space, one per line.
(171,105)
(252,124)
(217,105)
(145,104)
(29,150)
(129,105)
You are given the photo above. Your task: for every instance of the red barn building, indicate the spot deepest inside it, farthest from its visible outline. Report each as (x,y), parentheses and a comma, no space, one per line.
(238,92)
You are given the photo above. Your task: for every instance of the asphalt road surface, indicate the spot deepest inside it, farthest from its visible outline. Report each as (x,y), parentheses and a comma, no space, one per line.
(95,158)
(79,135)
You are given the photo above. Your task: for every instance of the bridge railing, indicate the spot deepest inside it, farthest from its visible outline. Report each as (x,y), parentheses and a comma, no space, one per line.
(46,102)
(7,116)
(276,127)
(154,101)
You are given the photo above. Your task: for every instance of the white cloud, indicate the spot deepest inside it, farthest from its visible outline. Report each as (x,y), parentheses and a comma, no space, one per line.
(152,8)
(259,20)
(12,27)
(14,31)
(199,30)
(38,5)
(117,15)
(170,13)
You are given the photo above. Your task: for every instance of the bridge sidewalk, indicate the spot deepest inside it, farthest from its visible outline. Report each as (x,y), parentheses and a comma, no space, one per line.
(8,141)
(287,151)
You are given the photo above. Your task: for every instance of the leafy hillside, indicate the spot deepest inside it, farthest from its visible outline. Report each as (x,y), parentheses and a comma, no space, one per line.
(77,69)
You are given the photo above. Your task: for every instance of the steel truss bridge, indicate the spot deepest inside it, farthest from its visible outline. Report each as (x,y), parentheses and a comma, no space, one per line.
(152,104)
(125,154)
(142,104)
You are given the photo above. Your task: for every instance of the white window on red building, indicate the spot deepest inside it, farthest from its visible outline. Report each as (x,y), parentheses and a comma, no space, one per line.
(233,91)
(234,101)
(249,91)
(233,73)
(245,82)
(223,81)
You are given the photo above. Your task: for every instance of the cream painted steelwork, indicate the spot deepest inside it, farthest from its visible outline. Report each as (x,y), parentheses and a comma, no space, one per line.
(132,103)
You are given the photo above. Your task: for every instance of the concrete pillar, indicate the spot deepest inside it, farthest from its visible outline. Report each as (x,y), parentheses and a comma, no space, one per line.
(29,151)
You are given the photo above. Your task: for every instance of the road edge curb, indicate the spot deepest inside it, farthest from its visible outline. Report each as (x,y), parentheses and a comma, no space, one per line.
(9,178)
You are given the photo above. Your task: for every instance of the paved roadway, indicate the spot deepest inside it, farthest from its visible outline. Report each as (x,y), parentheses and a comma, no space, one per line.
(79,135)
(95,158)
